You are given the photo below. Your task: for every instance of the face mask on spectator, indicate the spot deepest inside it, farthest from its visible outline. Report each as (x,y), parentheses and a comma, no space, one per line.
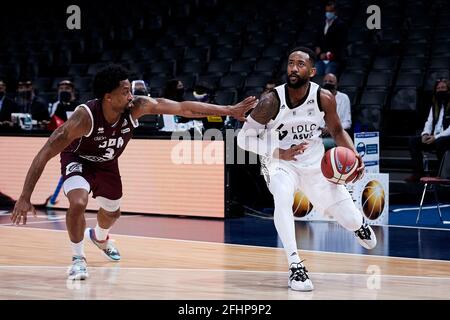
(140,92)
(180,94)
(442,96)
(329,86)
(26,95)
(330,15)
(65,96)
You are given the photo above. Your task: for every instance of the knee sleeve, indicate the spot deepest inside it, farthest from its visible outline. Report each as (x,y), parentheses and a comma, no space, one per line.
(107,204)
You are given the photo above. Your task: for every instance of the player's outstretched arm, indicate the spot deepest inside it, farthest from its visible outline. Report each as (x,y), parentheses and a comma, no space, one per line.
(255,138)
(191,109)
(76,126)
(333,123)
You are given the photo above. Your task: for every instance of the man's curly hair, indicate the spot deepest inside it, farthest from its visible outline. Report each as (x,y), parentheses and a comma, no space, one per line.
(108,79)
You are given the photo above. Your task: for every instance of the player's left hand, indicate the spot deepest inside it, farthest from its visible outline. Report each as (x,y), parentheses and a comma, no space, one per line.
(239,109)
(360,168)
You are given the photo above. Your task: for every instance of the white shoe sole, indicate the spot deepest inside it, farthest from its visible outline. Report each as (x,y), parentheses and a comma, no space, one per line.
(88,236)
(365,244)
(304,288)
(79,276)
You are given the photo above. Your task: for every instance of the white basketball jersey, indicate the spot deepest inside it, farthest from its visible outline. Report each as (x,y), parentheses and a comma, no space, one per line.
(301,123)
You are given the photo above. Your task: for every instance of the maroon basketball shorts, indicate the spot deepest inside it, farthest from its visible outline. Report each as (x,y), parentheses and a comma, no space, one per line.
(102,178)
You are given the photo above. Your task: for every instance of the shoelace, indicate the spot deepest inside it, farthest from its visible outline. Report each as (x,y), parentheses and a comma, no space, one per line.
(363,232)
(110,247)
(299,273)
(78,264)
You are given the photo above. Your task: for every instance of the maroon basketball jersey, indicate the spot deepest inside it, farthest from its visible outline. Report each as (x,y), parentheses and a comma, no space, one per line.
(105,142)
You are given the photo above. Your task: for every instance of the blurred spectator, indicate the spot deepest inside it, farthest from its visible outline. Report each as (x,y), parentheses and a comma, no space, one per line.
(7,106)
(139,88)
(174,90)
(270,85)
(204,92)
(331,42)
(29,102)
(343,109)
(66,100)
(436,132)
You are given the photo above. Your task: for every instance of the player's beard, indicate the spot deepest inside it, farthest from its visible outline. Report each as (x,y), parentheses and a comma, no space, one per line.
(300,82)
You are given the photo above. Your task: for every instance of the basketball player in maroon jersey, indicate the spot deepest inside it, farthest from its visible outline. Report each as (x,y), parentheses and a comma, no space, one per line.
(284,128)
(90,143)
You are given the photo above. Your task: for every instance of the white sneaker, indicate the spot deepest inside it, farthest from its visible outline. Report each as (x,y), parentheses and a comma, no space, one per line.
(365,236)
(109,250)
(298,278)
(78,269)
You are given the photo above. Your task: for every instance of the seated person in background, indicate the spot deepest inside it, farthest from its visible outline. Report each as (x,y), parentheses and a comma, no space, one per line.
(343,109)
(30,103)
(174,90)
(139,88)
(436,132)
(270,85)
(7,106)
(331,42)
(203,92)
(66,100)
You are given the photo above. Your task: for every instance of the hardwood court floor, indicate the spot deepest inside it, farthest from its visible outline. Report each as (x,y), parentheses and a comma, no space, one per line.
(33,263)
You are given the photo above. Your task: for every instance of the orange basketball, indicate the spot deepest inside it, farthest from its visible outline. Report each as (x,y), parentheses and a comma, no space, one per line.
(339,165)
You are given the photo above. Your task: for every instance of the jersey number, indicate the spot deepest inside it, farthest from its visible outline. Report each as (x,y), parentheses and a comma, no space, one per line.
(111,143)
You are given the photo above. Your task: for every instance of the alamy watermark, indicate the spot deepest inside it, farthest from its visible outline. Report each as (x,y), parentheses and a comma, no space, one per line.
(73,21)
(374,20)
(374,279)
(195,149)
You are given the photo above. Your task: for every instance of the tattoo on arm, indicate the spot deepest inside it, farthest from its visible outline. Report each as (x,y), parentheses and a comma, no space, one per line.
(266,109)
(200,114)
(76,126)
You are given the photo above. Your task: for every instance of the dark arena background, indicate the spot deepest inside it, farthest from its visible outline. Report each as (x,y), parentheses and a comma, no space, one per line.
(197,217)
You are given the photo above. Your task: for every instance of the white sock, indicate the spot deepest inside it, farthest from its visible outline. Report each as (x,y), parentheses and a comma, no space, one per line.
(100,233)
(78,248)
(282,188)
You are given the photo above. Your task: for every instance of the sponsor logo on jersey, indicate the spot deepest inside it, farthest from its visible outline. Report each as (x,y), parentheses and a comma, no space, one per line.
(283,107)
(126,130)
(74,167)
(310,101)
(99,138)
(303,131)
(281,134)
(101,130)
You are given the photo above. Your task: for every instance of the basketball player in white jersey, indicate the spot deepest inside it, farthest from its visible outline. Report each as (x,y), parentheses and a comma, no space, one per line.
(284,129)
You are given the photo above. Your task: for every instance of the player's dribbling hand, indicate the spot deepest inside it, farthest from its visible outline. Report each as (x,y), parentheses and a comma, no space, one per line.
(360,168)
(239,109)
(21,209)
(291,153)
